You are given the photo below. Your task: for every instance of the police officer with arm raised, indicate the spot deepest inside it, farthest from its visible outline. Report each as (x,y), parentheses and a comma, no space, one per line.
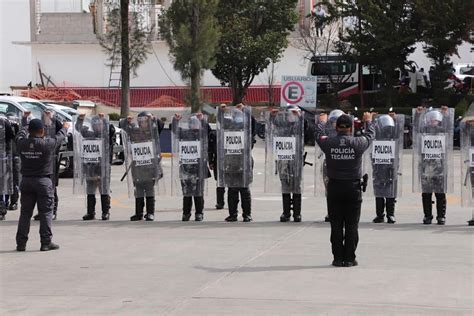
(37,158)
(344,161)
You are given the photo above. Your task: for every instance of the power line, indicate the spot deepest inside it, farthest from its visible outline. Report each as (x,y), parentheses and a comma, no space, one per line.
(161,65)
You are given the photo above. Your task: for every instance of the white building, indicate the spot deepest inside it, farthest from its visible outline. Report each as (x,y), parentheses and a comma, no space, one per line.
(58,36)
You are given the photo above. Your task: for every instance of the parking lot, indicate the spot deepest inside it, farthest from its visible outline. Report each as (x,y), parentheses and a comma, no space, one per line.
(168,267)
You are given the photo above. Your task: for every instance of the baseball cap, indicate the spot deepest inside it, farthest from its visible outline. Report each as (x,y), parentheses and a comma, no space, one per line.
(35,125)
(344,121)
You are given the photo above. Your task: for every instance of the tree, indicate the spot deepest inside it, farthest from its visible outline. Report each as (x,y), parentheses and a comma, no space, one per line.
(323,47)
(382,35)
(444,24)
(191,31)
(126,42)
(254,34)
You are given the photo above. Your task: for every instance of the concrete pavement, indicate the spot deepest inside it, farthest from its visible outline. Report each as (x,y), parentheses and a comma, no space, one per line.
(168,267)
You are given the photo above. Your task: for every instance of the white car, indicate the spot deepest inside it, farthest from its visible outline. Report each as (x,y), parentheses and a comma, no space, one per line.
(462,71)
(65,109)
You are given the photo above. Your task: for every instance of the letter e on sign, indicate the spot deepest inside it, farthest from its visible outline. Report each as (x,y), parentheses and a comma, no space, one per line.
(293,92)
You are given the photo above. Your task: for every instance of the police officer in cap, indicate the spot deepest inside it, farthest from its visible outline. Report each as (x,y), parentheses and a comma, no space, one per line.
(37,158)
(344,161)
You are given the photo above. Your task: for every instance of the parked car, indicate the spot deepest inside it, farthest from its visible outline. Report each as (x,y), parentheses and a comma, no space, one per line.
(13,107)
(63,108)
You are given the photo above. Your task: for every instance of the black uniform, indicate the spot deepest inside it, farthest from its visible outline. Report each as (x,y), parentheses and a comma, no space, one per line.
(344,158)
(385,182)
(9,136)
(433,176)
(192,184)
(236,163)
(220,191)
(37,158)
(95,169)
(55,128)
(144,176)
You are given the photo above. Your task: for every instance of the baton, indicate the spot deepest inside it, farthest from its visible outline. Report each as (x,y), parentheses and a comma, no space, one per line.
(304,160)
(126,172)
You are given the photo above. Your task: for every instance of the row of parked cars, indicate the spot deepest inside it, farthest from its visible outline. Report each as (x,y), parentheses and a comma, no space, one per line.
(13,108)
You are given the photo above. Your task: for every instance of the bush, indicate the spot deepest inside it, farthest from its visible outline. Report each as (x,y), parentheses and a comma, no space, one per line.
(114,116)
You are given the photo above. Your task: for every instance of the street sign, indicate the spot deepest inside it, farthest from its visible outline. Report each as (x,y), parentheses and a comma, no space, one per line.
(298,90)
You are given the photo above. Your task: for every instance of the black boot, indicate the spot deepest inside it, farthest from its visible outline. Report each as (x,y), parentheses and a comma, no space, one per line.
(199,206)
(105,203)
(187,205)
(232,202)
(379,210)
(441,208)
(150,208)
(296,207)
(390,205)
(285,217)
(139,205)
(90,208)
(427,208)
(220,198)
(246,204)
(3,210)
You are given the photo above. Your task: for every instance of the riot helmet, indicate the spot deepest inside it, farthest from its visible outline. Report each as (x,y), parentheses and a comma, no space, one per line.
(333,116)
(97,124)
(433,118)
(386,126)
(294,112)
(194,123)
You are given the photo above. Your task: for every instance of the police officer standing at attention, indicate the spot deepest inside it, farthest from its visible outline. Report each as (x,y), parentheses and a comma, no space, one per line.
(344,159)
(37,154)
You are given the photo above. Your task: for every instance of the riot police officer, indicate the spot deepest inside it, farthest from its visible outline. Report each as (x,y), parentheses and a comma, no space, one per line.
(143,161)
(285,158)
(344,160)
(235,139)
(7,136)
(330,130)
(190,156)
(94,165)
(432,149)
(385,161)
(36,154)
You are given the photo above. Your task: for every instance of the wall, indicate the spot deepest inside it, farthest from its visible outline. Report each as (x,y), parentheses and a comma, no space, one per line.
(14,60)
(84,65)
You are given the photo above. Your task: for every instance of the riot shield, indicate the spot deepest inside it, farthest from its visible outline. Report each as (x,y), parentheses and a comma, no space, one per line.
(91,154)
(6,161)
(385,157)
(234,144)
(467,158)
(320,173)
(189,163)
(284,150)
(50,119)
(142,157)
(433,151)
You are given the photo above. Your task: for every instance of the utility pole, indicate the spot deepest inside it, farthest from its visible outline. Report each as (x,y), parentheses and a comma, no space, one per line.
(125,84)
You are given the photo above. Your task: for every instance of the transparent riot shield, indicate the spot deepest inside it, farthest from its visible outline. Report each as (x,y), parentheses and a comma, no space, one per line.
(6,161)
(433,150)
(320,174)
(384,166)
(284,151)
(142,151)
(467,158)
(92,154)
(189,147)
(51,122)
(234,145)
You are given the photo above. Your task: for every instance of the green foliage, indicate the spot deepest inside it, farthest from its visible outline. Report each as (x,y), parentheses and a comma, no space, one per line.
(383,35)
(114,116)
(139,39)
(191,31)
(443,25)
(254,34)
